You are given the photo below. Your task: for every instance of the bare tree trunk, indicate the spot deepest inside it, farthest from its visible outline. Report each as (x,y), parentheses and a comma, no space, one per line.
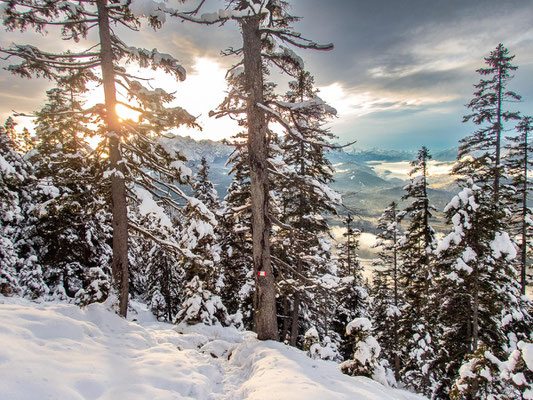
(469,329)
(475,311)
(498,141)
(295,311)
(523,250)
(118,185)
(396,327)
(286,320)
(265,318)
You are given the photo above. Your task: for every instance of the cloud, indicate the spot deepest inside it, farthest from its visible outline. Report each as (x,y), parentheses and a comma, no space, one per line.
(399,75)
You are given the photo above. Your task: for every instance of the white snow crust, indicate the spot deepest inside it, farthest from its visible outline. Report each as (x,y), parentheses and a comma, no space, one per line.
(59,351)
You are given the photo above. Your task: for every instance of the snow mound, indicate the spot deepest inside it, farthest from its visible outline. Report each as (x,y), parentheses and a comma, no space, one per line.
(59,351)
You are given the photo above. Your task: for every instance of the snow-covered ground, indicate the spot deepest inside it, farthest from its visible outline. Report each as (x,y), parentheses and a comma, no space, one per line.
(59,351)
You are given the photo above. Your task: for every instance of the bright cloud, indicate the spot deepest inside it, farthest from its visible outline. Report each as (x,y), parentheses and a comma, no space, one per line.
(352,103)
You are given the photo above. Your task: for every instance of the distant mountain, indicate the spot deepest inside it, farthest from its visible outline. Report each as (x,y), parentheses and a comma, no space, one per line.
(365,155)
(355,177)
(215,152)
(194,150)
(446,155)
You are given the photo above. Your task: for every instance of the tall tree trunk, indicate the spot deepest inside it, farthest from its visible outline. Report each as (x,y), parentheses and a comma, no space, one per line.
(475,311)
(498,140)
(118,185)
(523,250)
(286,319)
(295,310)
(265,318)
(395,275)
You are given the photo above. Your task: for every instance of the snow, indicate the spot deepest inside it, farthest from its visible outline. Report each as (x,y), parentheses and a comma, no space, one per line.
(502,244)
(59,351)
(148,206)
(527,353)
(220,15)
(6,167)
(148,8)
(363,324)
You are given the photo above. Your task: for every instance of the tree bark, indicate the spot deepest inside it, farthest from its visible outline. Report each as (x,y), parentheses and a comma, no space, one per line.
(286,320)
(523,250)
(265,318)
(498,140)
(475,311)
(295,311)
(118,186)
(396,327)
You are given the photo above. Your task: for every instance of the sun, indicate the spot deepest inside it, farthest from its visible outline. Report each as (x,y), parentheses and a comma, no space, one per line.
(126,113)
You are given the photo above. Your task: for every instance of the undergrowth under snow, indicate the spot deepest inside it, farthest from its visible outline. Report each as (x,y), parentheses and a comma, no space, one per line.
(59,351)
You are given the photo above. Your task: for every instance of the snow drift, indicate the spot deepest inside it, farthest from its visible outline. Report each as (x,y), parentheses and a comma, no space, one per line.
(59,351)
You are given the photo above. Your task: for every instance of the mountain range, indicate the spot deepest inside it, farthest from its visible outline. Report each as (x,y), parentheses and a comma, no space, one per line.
(368,179)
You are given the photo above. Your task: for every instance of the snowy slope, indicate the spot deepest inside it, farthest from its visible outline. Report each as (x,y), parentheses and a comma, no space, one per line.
(58,351)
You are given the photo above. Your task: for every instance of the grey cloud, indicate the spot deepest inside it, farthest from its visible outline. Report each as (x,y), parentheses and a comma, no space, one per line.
(417,48)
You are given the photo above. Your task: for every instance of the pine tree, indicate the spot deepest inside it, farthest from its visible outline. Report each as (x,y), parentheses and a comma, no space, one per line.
(417,275)
(21,270)
(348,250)
(263,26)
(71,230)
(199,260)
(386,293)
(352,298)
(13,173)
(301,177)
(480,154)
(126,142)
(317,349)
(485,375)
(480,298)
(517,162)
(476,267)
(236,239)
(366,352)
(204,190)
(157,274)
(200,305)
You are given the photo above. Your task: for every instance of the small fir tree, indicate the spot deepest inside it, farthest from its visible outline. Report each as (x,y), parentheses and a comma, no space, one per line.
(417,273)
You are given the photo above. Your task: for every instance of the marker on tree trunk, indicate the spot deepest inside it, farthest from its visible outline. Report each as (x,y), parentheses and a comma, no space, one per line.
(262,273)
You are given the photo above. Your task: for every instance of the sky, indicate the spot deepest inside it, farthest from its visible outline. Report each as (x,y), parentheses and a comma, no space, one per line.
(400,74)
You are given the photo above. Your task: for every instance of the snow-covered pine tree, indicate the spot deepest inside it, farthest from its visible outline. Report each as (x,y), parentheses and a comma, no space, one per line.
(204,190)
(76,20)
(265,25)
(477,273)
(199,261)
(484,376)
(417,274)
(365,360)
(479,378)
(317,349)
(352,299)
(236,238)
(20,249)
(382,314)
(348,249)
(157,270)
(13,174)
(480,153)
(386,293)
(517,162)
(477,287)
(304,250)
(70,228)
